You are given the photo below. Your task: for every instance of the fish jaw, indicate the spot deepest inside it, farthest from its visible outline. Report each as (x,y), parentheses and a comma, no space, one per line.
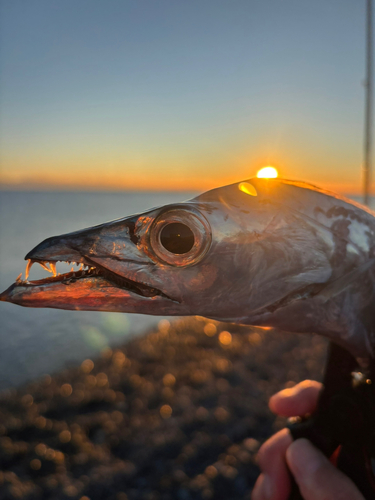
(109,282)
(87,294)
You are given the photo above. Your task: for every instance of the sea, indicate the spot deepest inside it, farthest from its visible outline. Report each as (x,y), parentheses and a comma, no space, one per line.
(36,342)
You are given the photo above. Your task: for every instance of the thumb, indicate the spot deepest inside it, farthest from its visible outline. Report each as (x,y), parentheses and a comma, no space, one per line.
(316,477)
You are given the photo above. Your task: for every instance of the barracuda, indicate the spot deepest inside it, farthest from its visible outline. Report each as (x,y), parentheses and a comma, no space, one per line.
(266,252)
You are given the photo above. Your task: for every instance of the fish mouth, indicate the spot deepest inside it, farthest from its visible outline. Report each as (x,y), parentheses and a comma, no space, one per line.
(113,274)
(88,270)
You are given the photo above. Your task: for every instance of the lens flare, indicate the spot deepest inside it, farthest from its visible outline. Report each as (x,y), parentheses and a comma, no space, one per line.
(247,188)
(267,173)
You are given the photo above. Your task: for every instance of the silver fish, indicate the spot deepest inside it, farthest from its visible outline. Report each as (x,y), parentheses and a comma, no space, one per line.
(266,252)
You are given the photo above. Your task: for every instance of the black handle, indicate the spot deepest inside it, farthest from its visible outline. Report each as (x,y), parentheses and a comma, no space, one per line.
(345,416)
(311,430)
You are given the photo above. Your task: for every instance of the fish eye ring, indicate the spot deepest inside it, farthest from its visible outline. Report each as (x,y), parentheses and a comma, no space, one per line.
(180,236)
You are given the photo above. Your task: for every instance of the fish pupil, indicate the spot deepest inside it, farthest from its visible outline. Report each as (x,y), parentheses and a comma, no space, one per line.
(177,238)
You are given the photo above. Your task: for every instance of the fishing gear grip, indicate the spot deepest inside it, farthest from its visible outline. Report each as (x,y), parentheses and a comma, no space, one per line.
(344,420)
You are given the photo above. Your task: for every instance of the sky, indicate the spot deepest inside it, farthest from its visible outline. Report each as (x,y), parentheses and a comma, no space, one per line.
(176,94)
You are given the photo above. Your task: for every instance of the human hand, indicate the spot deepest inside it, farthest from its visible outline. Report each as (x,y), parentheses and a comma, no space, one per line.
(316,477)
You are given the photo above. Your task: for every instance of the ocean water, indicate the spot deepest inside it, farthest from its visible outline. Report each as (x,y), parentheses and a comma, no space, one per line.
(34,342)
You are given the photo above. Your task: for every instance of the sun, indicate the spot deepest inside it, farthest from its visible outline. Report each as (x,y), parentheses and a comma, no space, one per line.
(267,173)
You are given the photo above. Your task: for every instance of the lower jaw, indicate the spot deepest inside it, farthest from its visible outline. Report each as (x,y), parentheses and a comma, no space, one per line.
(92,293)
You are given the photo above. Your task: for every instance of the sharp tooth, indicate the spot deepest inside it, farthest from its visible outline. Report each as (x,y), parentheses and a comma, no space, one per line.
(30,262)
(43,264)
(48,268)
(72,269)
(53,267)
(81,266)
(19,278)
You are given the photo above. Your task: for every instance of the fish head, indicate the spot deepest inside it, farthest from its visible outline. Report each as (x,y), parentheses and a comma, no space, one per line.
(229,254)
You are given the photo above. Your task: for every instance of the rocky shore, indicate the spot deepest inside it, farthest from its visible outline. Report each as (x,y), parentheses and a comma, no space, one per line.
(177,414)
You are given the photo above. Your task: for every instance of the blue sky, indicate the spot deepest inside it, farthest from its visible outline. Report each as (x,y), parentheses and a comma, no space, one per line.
(176,93)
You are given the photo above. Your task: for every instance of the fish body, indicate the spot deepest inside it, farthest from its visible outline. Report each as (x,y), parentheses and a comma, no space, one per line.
(266,252)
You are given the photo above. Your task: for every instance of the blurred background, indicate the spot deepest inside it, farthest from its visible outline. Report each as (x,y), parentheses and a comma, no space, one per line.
(110,108)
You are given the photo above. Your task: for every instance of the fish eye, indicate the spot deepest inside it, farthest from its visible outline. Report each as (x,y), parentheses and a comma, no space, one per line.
(177,238)
(180,237)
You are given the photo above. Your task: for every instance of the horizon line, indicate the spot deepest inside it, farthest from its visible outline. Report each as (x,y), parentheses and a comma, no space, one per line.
(183,186)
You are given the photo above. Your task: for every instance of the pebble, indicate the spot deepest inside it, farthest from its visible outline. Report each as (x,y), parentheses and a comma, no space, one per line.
(177,414)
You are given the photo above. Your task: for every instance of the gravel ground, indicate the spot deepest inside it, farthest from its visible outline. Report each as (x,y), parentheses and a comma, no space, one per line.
(178,414)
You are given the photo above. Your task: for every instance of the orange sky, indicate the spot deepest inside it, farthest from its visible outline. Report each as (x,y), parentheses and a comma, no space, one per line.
(162,182)
(188,97)
(187,172)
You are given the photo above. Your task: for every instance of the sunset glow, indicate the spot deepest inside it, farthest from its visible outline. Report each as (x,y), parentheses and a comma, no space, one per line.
(267,173)
(153,109)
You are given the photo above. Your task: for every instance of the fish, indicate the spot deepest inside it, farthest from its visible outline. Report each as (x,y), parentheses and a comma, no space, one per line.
(263,252)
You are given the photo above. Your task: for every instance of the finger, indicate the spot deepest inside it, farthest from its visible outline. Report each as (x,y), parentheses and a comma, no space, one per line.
(299,400)
(274,483)
(261,489)
(316,477)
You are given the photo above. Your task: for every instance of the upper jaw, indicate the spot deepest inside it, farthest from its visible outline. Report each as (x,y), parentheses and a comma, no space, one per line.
(55,249)
(106,253)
